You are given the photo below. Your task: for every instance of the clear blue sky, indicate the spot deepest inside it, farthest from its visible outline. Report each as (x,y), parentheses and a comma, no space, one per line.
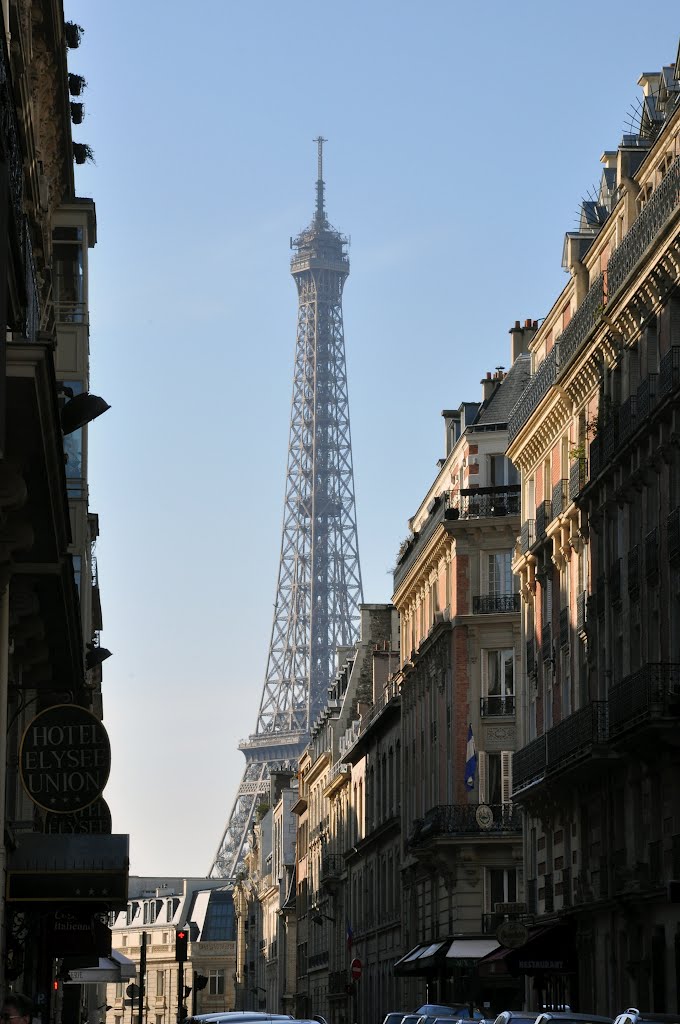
(460,141)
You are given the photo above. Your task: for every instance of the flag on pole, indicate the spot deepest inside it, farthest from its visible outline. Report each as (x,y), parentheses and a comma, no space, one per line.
(350,936)
(470,761)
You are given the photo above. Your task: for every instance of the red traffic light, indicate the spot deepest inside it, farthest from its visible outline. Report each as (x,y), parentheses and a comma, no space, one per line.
(181,935)
(181,945)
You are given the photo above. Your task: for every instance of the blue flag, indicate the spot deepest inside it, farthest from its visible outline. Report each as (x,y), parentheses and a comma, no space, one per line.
(470,761)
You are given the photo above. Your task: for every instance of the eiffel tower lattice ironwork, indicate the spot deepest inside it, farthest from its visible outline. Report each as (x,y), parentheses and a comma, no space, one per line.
(319,585)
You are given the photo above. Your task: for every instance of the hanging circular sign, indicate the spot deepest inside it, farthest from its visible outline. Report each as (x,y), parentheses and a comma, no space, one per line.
(65,759)
(512,934)
(94,820)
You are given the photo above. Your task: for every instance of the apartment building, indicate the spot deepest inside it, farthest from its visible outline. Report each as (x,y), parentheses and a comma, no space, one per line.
(595,436)
(459,662)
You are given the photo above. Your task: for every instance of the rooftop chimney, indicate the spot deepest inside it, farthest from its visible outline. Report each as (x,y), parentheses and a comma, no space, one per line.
(489,385)
(520,337)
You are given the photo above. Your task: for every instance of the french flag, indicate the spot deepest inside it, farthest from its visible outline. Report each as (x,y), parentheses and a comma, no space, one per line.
(350,936)
(470,761)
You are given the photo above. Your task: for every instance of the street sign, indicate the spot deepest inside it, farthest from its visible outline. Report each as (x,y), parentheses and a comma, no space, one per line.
(356,967)
(510,908)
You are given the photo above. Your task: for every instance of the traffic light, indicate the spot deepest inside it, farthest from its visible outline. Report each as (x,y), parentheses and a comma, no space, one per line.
(200,981)
(181,945)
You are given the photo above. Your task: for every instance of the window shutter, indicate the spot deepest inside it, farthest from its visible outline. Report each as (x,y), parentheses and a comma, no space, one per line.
(482,775)
(506,776)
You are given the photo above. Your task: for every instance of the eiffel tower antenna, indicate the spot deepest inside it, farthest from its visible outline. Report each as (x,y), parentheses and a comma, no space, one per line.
(319,586)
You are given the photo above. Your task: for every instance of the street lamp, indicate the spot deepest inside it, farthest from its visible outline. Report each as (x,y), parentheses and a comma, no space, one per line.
(81,409)
(318,917)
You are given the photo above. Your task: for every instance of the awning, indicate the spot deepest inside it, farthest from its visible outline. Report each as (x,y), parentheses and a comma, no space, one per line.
(549,950)
(422,959)
(471,949)
(114,968)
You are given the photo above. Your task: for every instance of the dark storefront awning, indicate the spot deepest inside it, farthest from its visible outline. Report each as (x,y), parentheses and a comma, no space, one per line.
(442,956)
(549,950)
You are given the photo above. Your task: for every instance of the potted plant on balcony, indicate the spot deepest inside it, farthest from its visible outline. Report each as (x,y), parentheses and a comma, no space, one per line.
(77,111)
(76,84)
(73,34)
(82,153)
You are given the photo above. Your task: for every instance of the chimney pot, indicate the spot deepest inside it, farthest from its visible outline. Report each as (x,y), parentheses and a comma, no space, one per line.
(535,324)
(488,374)
(517,327)
(527,322)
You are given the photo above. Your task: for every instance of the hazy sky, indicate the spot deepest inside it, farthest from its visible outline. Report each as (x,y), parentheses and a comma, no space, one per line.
(461,138)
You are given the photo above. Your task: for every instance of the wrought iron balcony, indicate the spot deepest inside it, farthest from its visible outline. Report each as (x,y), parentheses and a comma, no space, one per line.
(669,371)
(315,960)
(528,764)
(634,572)
(581,323)
(653,218)
(482,502)
(673,531)
(538,387)
(468,819)
(564,627)
(496,705)
(489,604)
(595,457)
(560,497)
(531,657)
(646,396)
(546,642)
(578,474)
(543,517)
(650,694)
(332,867)
(652,555)
(627,418)
(581,618)
(615,581)
(610,437)
(527,536)
(574,737)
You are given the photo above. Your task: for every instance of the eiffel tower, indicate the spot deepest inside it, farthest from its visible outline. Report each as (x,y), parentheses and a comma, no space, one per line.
(319,585)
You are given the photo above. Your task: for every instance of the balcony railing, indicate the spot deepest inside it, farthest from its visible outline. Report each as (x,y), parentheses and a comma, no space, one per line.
(483,502)
(651,692)
(489,604)
(652,555)
(560,497)
(578,474)
(575,735)
(673,532)
(332,866)
(627,418)
(467,819)
(615,581)
(543,517)
(527,536)
(528,764)
(595,457)
(317,960)
(669,370)
(538,387)
(634,572)
(564,628)
(651,221)
(496,705)
(581,323)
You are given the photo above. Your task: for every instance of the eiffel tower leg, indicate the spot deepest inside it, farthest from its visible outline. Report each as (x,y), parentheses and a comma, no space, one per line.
(230,853)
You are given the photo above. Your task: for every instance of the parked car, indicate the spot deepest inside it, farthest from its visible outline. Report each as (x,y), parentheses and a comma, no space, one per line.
(238,1017)
(459,1011)
(571,1018)
(516,1017)
(395,1017)
(634,1016)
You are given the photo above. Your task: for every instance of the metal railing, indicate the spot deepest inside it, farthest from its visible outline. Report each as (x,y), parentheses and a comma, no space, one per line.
(315,960)
(651,692)
(582,323)
(578,474)
(496,705)
(595,460)
(482,502)
(652,219)
(669,370)
(627,418)
(527,536)
(332,865)
(560,497)
(646,396)
(467,819)
(538,387)
(575,735)
(543,517)
(673,534)
(528,764)
(634,572)
(488,604)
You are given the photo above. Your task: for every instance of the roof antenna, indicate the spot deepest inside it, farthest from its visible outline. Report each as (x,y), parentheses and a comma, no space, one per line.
(320,214)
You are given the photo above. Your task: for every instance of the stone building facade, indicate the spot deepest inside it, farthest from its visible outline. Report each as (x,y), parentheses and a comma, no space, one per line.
(460,660)
(596,436)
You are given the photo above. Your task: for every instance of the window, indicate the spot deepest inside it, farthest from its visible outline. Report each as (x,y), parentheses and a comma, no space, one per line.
(159,1018)
(500,682)
(119,990)
(495,777)
(500,573)
(160,983)
(216,982)
(67,275)
(502,473)
(123,940)
(501,886)
(73,449)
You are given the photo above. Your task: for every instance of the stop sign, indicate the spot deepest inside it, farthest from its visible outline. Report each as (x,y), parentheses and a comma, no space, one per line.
(355,968)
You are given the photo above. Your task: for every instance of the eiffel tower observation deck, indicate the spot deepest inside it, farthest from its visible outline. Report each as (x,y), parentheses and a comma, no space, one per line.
(319,582)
